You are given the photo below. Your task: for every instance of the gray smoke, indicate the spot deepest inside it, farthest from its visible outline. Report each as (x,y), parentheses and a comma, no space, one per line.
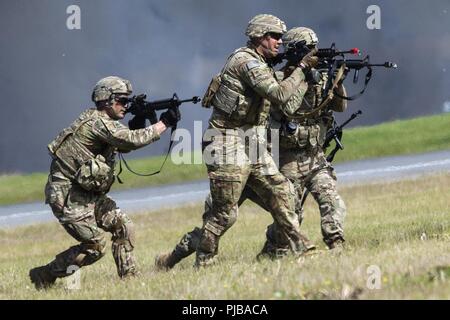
(47,71)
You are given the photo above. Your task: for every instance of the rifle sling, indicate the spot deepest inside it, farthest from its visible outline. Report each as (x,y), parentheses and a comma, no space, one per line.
(122,158)
(366,81)
(329,97)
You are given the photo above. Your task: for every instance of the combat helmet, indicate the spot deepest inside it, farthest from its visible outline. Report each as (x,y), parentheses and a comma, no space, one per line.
(261,24)
(108,87)
(299,34)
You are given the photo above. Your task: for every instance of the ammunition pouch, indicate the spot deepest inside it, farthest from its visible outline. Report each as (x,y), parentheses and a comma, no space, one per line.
(211,91)
(227,100)
(237,107)
(95,175)
(308,134)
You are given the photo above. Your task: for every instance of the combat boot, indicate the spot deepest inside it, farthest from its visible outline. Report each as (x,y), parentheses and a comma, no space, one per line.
(134,273)
(204,261)
(264,253)
(337,246)
(309,245)
(166,261)
(271,252)
(42,278)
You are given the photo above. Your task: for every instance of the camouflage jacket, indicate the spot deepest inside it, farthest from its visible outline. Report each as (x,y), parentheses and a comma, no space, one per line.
(309,132)
(91,135)
(247,88)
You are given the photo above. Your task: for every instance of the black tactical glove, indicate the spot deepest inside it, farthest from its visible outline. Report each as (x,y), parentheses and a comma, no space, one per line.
(313,76)
(138,122)
(171,117)
(151,116)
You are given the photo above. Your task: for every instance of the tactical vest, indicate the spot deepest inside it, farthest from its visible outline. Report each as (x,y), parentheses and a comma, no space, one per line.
(309,132)
(235,100)
(94,172)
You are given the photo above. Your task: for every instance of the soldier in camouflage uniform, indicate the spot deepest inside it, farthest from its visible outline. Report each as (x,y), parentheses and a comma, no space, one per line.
(81,174)
(302,157)
(241,96)
(302,160)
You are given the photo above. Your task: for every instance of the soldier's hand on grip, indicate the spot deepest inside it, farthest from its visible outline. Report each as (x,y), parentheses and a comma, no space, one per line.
(309,60)
(170,117)
(151,116)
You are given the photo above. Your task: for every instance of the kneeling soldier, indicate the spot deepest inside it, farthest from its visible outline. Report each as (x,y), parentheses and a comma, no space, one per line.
(81,174)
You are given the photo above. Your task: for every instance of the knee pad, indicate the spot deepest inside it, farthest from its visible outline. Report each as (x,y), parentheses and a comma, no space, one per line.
(127,236)
(122,228)
(188,243)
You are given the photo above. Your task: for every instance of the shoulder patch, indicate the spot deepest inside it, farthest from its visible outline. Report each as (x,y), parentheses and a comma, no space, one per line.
(106,125)
(252,64)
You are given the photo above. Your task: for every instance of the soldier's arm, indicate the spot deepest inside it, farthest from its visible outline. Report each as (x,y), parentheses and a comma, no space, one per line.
(339,104)
(119,136)
(295,101)
(259,76)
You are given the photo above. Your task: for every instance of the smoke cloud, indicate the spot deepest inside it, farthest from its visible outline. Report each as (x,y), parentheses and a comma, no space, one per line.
(47,71)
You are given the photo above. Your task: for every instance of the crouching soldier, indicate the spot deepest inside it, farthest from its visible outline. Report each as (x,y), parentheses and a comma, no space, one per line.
(81,174)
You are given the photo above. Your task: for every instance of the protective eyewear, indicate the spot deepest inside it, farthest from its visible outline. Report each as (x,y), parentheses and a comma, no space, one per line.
(122,100)
(274,35)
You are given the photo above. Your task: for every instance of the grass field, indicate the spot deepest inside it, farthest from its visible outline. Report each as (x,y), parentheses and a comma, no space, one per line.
(399,137)
(401,229)
(404,137)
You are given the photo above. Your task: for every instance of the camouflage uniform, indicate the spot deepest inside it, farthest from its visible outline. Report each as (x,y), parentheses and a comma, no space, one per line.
(302,161)
(241,97)
(81,173)
(189,241)
(302,158)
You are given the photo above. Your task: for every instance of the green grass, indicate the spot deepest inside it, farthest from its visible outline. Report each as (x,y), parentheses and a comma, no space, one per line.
(393,138)
(399,137)
(403,228)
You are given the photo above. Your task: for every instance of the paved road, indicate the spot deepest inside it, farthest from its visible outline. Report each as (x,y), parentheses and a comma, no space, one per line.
(354,172)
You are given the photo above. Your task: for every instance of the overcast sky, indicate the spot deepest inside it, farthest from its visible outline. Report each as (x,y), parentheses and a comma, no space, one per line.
(47,71)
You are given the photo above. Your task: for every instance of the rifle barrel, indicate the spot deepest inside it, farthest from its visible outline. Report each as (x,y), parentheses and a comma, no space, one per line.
(194,100)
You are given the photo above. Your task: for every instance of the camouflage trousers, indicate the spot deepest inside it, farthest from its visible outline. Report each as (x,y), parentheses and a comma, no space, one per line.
(227,182)
(188,243)
(309,169)
(86,216)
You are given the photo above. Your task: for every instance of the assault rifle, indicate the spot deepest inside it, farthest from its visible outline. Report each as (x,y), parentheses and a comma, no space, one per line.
(331,60)
(143,109)
(334,133)
(295,51)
